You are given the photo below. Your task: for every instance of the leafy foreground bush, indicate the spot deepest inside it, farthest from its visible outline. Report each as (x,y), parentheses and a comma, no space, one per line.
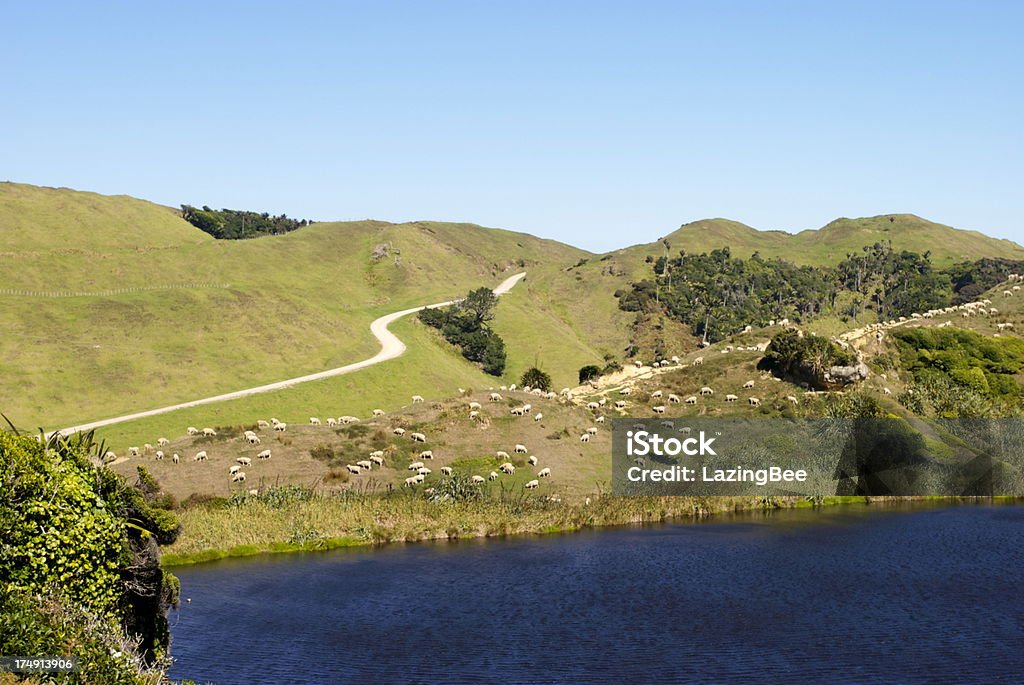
(80,562)
(464,325)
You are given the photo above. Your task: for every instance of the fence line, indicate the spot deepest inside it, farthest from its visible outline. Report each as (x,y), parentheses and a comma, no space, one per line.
(106,293)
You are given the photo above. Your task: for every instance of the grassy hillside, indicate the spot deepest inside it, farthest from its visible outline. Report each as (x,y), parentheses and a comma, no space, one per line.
(831,243)
(174,315)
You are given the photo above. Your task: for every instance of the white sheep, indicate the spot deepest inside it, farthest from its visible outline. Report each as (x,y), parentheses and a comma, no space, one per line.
(593,406)
(314,421)
(253,439)
(532,484)
(446,470)
(748,384)
(352,468)
(692,399)
(493,475)
(192,430)
(254,492)
(411,481)
(280,427)
(378,412)
(507,467)
(698,361)
(365,464)
(424,471)
(332,421)
(416,399)
(418,437)
(261,424)
(415,465)
(378,460)
(792,399)
(473,415)
(731,398)
(478,479)
(706,391)
(175,458)
(244,461)
(754,402)
(538,416)
(159,455)
(399,431)
(209,432)
(200,456)
(234,469)
(621,404)
(592,430)
(585,437)
(238,477)
(163,442)
(660,409)
(110,456)
(544,473)
(532,460)
(133,451)
(265,454)
(495,397)
(427,454)
(600,419)
(521,449)
(673,399)
(502,455)
(475,405)
(657,394)
(419,477)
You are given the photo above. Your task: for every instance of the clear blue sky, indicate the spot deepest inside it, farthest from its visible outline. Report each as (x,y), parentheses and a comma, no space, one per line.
(599,124)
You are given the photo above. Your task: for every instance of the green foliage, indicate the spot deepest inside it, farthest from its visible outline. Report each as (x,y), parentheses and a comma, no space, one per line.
(465,324)
(958,368)
(808,357)
(67,523)
(971,279)
(231,224)
(535,378)
(589,372)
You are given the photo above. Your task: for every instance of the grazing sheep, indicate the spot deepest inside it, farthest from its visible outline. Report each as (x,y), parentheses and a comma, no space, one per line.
(399,431)
(147,448)
(175,458)
(544,473)
(532,461)
(416,399)
(376,459)
(261,424)
(731,398)
(667,424)
(424,471)
(418,437)
(163,442)
(493,475)
(754,402)
(475,405)
(253,439)
(332,421)
(502,455)
(660,409)
(200,456)
(592,430)
(521,449)
(748,384)
(415,465)
(411,481)
(593,406)
(446,470)
(238,477)
(1007,293)
(265,454)
(673,399)
(626,391)
(234,469)
(427,454)
(507,467)
(657,394)
(365,464)
(638,364)
(604,401)
(474,415)
(159,455)
(600,419)
(378,412)
(280,427)
(133,451)
(478,479)
(419,477)
(314,421)
(352,468)
(244,461)
(192,430)
(538,416)
(791,398)
(691,399)
(887,391)
(698,361)
(495,397)
(621,404)
(706,391)
(585,437)
(209,433)
(532,484)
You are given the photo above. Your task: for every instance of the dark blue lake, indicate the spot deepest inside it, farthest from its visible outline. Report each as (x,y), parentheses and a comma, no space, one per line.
(857,593)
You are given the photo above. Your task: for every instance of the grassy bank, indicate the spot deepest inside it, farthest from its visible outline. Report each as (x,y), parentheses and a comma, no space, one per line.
(301,521)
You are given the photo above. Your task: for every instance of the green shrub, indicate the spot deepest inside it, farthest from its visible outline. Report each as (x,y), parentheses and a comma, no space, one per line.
(589,372)
(535,378)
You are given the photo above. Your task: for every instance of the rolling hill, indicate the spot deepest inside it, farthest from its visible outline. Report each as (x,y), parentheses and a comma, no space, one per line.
(114,304)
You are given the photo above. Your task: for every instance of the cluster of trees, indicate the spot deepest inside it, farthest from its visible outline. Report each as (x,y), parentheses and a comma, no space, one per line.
(79,560)
(465,325)
(946,361)
(808,358)
(717,295)
(232,224)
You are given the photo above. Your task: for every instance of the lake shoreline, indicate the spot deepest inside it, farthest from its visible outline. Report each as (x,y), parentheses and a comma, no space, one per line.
(652,511)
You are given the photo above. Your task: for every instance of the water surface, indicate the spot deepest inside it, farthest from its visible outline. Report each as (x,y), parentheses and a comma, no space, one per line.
(929,596)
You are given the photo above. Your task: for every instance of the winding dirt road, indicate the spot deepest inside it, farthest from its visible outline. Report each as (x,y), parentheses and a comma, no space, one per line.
(390,347)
